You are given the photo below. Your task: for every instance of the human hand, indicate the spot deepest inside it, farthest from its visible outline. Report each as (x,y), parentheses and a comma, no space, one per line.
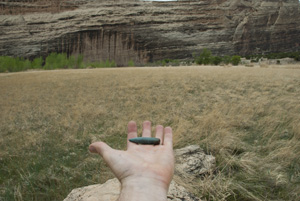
(145,171)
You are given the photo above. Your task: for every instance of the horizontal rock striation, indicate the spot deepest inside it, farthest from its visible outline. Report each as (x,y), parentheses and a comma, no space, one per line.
(17,7)
(149,31)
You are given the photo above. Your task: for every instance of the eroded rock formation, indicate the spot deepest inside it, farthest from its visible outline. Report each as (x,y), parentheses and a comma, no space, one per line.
(149,31)
(192,161)
(19,7)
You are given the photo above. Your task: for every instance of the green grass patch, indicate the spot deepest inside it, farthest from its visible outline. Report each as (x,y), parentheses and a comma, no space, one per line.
(49,171)
(14,64)
(51,62)
(102,64)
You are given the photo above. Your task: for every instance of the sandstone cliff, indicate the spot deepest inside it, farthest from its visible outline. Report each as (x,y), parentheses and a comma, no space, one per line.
(149,31)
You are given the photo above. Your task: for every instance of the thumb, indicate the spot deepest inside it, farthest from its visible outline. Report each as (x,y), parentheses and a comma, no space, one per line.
(100,147)
(106,152)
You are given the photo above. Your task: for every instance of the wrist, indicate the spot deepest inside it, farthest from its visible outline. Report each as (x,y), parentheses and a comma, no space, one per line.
(143,189)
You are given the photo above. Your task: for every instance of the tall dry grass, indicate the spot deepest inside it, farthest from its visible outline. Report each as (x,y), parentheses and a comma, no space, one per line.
(249,118)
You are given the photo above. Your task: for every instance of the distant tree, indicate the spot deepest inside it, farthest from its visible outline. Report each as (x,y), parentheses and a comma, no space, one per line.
(216,60)
(226,60)
(131,63)
(204,57)
(37,63)
(235,60)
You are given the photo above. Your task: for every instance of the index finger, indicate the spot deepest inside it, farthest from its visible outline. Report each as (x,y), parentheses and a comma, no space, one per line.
(131,132)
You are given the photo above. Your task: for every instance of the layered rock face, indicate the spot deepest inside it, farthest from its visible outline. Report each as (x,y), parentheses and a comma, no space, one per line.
(149,31)
(17,7)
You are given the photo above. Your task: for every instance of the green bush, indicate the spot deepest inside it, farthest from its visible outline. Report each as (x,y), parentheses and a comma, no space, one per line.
(11,64)
(235,60)
(216,60)
(161,63)
(79,61)
(3,63)
(131,63)
(55,61)
(204,57)
(75,62)
(37,63)
(296,56)
(94,64)
(175,62)
(26,64)
(109,63)
(58,61)
(101,64)
(226,60)
(71,63)
(207,58)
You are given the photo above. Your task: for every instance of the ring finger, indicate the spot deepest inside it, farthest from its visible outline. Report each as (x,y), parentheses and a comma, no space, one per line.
(146,129)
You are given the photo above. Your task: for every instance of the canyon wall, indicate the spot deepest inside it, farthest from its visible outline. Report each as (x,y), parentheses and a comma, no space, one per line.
(150,31)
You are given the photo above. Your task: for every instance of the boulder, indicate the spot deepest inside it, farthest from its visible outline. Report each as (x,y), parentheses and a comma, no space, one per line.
(193,161)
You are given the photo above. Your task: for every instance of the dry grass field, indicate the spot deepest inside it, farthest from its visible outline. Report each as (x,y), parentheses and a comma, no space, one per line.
(249,118)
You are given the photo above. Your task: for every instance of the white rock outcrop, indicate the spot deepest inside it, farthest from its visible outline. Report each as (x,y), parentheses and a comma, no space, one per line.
(192,160)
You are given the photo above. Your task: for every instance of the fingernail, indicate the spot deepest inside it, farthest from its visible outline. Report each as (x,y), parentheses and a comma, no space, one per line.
(92,149)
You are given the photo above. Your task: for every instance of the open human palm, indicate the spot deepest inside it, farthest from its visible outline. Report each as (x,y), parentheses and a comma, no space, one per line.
(145,171)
